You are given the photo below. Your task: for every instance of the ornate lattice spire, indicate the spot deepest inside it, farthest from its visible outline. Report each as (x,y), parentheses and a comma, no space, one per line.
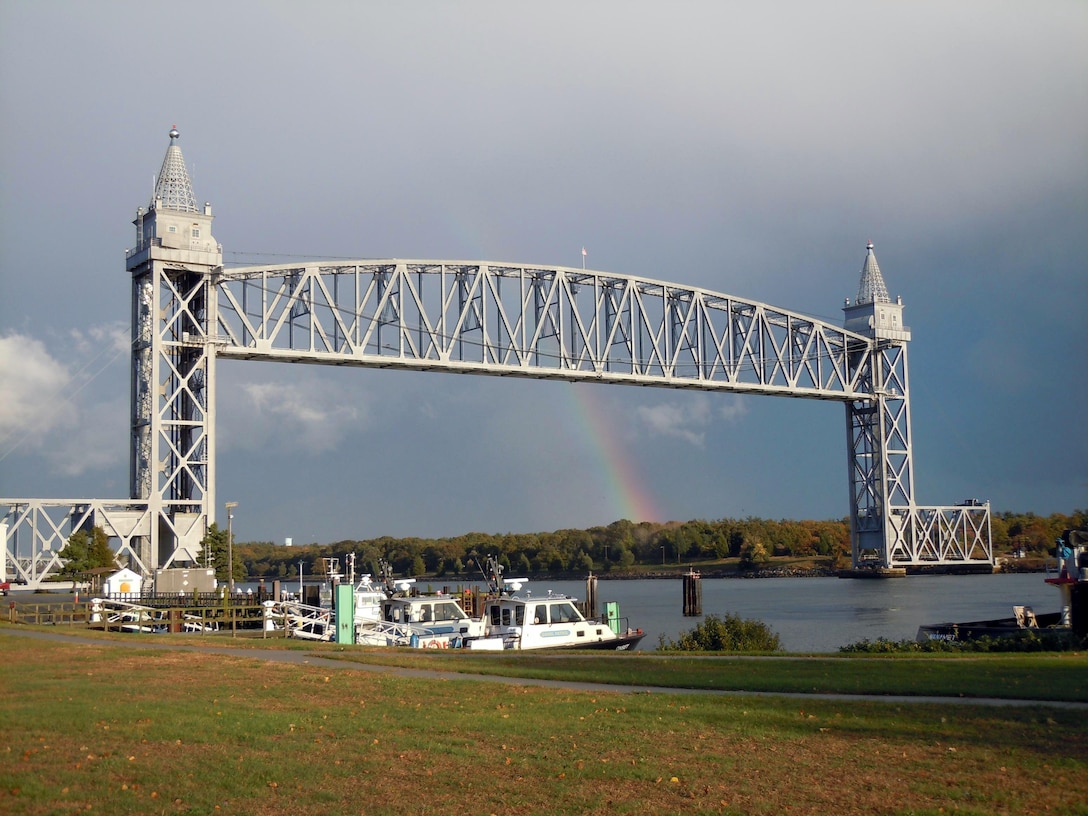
(173,190)
(872,289)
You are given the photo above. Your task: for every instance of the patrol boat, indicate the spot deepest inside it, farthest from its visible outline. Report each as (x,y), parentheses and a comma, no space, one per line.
(514,620)
(406,618)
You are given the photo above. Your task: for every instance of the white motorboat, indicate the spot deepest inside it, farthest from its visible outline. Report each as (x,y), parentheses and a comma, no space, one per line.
(520,621)
(407,619)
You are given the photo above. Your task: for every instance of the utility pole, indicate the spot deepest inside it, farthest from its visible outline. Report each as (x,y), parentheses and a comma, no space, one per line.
(230,548)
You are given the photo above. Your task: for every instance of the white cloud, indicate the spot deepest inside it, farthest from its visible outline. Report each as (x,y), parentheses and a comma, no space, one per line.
(689,419)
(62,410)
(684,420)
(309,417)
(106,337)
(36,399)
(733,408)
(99,442)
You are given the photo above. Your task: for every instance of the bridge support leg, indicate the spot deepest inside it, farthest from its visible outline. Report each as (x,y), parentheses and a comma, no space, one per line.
(880,462)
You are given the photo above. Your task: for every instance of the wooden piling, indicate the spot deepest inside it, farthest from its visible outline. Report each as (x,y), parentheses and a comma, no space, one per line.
(591,597)
(693,594)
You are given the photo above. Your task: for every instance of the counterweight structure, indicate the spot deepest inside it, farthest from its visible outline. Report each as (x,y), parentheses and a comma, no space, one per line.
(477,317)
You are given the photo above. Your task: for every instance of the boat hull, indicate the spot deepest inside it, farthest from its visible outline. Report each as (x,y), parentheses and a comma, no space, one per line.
(626,642)
(621,643)
(996,628)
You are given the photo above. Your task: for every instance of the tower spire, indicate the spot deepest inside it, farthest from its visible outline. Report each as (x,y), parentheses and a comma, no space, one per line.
(173,190)
(872,289)
(874,313)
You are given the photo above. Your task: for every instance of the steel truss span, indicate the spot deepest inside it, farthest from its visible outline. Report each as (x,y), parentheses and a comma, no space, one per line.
(473,317)
(481,318)
(532,321)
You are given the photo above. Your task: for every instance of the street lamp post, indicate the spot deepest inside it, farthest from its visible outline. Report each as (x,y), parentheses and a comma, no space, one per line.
(230,547)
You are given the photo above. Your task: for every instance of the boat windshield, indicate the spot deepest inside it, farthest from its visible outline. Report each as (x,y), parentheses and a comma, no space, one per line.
(439,611)
(424,612)
(563,612)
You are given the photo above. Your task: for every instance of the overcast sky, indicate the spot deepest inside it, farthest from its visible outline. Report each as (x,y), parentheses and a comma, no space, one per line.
(749,148)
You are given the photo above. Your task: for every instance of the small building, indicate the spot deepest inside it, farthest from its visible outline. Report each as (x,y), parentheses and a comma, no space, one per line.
(181,580)
(123,582)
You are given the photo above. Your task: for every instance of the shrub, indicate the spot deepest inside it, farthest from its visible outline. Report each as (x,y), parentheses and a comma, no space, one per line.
(1057,640)
(725,634)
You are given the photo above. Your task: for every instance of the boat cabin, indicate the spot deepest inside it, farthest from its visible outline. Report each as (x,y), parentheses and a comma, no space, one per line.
(549,622)
(440,614)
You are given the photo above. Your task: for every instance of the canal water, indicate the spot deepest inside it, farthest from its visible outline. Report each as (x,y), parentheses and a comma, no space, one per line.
(821,614)
(810,614)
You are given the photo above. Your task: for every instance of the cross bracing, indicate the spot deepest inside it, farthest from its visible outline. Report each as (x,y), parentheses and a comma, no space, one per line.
(37,530)
(475,318)
(533,321)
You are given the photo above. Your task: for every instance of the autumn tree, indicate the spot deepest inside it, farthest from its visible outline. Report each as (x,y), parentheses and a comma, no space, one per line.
(753,553)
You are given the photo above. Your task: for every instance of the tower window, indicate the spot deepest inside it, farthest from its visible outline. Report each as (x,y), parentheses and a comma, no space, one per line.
(196,233)
(173,229)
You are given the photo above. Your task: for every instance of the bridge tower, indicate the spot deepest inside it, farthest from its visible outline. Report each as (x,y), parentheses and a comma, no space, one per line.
(878,427)
(171,446)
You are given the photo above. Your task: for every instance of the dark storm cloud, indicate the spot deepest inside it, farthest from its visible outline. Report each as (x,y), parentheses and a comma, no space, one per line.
(746,148)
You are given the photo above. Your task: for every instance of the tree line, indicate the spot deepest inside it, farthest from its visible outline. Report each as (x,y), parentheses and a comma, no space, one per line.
(619,546)
(622,545)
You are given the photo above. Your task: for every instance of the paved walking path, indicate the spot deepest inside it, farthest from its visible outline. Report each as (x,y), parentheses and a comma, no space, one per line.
(168,642)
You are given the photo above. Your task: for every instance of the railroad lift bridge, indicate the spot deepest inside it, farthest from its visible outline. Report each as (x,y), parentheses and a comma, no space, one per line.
(475,317)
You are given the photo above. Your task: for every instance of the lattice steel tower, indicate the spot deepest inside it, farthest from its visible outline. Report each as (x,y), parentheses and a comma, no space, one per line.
(878,429)
(172,448)
(484,318)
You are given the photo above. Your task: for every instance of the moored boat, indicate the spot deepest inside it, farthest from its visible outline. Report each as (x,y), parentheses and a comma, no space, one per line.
(1023,621)
(552,621)
(1068,573)
(421,621)
(393,613)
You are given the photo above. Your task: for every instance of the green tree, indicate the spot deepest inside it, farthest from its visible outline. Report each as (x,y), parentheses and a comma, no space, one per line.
(83,552)
(523,567)
(216,552)
(581,562)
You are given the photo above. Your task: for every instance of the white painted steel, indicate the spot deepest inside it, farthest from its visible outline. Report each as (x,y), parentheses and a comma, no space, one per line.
(476,317)
(545,322)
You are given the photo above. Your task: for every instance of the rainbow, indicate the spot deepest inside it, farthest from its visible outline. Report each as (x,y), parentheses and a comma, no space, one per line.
(627,495)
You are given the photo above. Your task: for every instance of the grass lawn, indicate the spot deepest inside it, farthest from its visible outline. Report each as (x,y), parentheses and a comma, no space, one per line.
(101,728)
(1061,676)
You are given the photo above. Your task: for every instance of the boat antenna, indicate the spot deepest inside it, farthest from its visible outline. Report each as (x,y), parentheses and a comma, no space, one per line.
(494,574)
(385,575)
